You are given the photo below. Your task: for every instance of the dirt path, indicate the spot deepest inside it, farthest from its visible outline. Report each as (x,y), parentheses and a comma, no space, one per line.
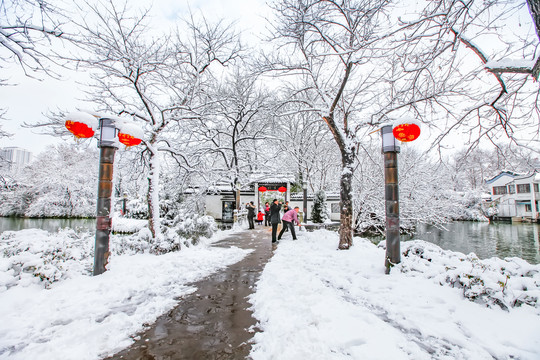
(213,322)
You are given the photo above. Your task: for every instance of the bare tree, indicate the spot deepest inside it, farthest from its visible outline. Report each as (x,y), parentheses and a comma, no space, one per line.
(233,126)
(27,29)
(307,143)
(155,79)
(365,64)
(322,42)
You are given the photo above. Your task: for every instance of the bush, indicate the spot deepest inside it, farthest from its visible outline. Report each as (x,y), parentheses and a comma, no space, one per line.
(319,212)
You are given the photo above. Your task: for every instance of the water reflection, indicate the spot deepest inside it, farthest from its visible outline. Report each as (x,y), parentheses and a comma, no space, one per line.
(486,240)
(51,225)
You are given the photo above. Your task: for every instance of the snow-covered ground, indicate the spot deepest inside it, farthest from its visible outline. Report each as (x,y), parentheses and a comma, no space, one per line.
(315,302)
(312,301)
(78,316)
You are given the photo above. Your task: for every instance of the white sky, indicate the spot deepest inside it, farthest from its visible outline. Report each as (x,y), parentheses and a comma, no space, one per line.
(30,99)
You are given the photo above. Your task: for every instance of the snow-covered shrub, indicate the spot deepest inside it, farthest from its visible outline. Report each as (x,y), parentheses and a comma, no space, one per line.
(137,243)
(319,212)
(470,207)
(33,255)
(127,226)
(15,200)
(194,226)
(137,208)
(495,282)
(186,230)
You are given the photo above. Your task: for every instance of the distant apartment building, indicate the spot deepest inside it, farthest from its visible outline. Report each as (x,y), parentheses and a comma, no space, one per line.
(517,197)
(14,158)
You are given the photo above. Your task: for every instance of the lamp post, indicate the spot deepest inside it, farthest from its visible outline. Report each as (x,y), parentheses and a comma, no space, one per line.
(107,146)
(304,187)
(390,149)
(111,131)
(405,130)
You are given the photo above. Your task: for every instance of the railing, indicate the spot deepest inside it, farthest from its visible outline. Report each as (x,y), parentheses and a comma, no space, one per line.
(240,218)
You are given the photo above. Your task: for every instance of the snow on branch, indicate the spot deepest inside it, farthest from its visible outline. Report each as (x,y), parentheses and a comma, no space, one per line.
(513,66)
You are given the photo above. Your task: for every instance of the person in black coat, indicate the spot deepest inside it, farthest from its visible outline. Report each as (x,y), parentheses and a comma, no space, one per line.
(274,218)
(251,214)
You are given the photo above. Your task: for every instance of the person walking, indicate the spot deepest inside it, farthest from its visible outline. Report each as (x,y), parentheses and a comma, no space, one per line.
(288,218)
(266,214)
(274,218)
(251,214)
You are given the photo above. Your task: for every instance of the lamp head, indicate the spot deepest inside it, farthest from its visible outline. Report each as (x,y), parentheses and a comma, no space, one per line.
(107,134)
(389,142)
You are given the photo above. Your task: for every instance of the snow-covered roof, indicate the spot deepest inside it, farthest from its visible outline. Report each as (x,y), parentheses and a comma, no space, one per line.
(501,174)
(329,196)
(271,178)
(534,175)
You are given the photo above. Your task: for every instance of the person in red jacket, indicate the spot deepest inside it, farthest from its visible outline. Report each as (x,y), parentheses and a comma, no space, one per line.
(260,217)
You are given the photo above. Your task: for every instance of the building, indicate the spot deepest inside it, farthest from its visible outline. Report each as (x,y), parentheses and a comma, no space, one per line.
(517,197)
(221,199)
(15,158)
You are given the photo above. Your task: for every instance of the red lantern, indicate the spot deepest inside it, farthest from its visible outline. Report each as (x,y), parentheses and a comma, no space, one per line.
(262,189)
(406,132)
(128,140)
(79,129)
(282,189)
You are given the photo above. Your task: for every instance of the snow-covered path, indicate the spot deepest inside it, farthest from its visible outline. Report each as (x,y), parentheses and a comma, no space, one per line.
(215,321)
(315,302)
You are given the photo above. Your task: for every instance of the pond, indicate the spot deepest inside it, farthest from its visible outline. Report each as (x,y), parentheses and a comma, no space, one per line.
(486,240)
(51,225)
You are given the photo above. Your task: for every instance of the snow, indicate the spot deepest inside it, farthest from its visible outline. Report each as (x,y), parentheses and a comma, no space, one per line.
(130,128)
(341,305)
(405,120)
(311,301)
(511,63)
(83,117)
(125,225)
(84,317)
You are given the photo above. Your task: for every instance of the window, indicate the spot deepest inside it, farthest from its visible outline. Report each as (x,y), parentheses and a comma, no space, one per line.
(334,208)
(511,189)
(536,187)
(499,190)
(528,208)
(524,188)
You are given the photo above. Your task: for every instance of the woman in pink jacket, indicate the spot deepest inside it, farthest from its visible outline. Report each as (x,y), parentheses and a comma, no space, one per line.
(288,218)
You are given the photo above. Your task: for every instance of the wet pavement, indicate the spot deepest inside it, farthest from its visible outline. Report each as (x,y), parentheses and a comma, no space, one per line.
(214,322)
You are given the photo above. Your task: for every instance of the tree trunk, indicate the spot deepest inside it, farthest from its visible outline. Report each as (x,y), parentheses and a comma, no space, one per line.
(345,229)
(153,196)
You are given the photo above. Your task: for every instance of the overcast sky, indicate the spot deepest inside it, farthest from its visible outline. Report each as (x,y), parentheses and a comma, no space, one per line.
(30,99)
